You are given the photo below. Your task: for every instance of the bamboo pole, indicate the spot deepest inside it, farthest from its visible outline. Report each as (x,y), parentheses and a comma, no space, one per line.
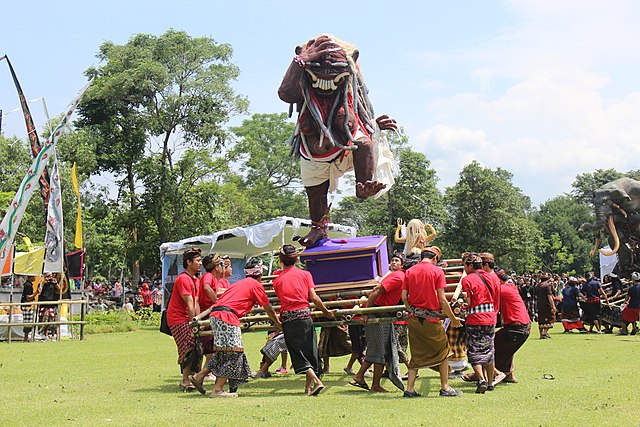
(266,327)
(9,325)
(341,312)
(339,303)
(83,310)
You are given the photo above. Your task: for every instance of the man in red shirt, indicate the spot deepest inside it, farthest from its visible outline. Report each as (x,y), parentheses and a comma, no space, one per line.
(208,292)
(480,324)
(229,361)
(516,327)
(183,306)
(423,296)
(382,341)
(228,271)
(295,289)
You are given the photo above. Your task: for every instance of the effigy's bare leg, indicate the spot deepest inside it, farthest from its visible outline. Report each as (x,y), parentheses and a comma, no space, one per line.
(318,211)
(363,166)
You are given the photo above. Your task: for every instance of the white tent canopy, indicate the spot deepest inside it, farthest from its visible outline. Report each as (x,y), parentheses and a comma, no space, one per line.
(241,242)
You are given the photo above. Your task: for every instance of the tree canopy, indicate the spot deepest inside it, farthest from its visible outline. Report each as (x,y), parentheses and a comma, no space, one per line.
(156,123)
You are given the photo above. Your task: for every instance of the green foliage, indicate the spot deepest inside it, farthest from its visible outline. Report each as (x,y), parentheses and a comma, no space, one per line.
(15,158)
(565,250)
(586,183)
(158,87)
(269,175)
(262,148)
(119,321)
(488,213)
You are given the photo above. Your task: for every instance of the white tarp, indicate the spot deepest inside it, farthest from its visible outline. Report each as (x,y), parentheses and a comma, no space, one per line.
(241,242)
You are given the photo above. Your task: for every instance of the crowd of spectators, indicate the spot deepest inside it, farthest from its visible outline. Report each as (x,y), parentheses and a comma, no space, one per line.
(590,295)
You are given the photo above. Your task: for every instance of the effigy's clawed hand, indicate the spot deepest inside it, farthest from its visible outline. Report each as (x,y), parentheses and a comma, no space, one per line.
(317,48)
(387,123)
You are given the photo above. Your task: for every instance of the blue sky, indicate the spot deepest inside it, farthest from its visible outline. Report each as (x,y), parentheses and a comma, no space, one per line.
(542,88)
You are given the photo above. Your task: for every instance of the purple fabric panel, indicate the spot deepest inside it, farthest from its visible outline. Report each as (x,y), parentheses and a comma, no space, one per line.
(353,243)
(345,267)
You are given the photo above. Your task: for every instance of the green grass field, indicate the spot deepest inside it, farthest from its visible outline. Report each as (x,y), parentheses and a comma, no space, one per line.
(132,378)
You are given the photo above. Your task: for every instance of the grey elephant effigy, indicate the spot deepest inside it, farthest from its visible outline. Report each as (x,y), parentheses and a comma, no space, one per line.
(617,209)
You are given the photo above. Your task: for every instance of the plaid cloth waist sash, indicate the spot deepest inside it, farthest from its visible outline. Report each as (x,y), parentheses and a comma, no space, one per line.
(423,313)
(290,315)
(481,308)
(593,300)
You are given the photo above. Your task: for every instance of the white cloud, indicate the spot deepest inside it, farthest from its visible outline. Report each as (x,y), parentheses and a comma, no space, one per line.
(543,105)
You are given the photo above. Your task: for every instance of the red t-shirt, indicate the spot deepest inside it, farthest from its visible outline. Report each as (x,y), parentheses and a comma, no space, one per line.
(478,294)
(241,298)
(224,283)
(203,299)
(495,283)
(392,285)
(292,288)
(422,282)
(513,308)
(177,310)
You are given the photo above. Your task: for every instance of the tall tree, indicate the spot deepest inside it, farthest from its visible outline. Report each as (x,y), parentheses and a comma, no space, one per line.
(488,213)
(564,249)
(173,88)
(586,183)
(269,174)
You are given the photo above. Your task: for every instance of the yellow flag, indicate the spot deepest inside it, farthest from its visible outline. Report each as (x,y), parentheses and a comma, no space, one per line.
(29,263)
(78,240)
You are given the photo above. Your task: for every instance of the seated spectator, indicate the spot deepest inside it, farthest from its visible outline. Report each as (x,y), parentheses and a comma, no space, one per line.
(101,306)
(127,306)
(156,296)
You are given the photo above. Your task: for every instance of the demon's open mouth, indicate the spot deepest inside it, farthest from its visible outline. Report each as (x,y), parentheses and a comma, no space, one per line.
(327,84)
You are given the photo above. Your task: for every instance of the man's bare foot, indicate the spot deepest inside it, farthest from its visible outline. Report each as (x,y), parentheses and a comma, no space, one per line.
(368,189)
(378,390)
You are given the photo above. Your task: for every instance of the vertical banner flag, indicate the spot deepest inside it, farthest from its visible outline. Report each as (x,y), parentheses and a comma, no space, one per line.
(75,265)
(31,132)
(74,178)
(15,211)
(53,240)
(7,268)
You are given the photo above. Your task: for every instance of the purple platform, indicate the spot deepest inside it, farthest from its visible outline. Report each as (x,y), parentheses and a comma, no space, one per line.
(339,261)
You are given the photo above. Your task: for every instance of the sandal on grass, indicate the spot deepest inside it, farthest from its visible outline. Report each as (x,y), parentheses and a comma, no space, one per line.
(316,389)
(469,378)
(362,385)
(187,388)
(197,384)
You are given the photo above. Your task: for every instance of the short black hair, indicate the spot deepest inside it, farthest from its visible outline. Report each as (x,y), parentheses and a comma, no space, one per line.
(190,255)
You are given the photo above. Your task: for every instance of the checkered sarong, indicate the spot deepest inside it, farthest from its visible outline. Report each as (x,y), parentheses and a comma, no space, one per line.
(457,342)
(184,340)
(482,308)
(274,346)
(28,314)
